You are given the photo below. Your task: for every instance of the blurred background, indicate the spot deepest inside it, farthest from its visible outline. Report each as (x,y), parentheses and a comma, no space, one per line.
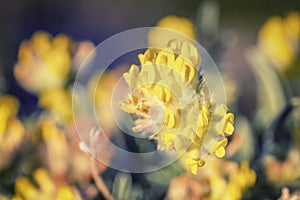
(97,20)
(262,87)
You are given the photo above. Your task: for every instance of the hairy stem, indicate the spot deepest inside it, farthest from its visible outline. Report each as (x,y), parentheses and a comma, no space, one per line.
(99,181)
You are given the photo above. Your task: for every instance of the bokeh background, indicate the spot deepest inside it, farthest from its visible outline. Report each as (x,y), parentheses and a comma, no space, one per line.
(263,97)
(97,20)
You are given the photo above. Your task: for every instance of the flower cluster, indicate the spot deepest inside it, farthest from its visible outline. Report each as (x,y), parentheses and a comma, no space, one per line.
(160,38)
(279,39)
(51,162)
(45,60)
(170,102)
(290,168)
(46,189)
(174,107)
(11,129)
(219,180)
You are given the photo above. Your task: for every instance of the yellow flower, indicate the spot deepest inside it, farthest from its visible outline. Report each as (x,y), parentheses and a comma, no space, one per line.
(158,38)
(59,102)
(194,164)
(11,129)
(8,108)
(219,179)
(218,187)
(219,148)
(63,153)
(57,148)
(164,100)
(103,96)
(227,180)
(43,62)
(65,193)
(283,172)
(46,190)
(279,38)
(239,181)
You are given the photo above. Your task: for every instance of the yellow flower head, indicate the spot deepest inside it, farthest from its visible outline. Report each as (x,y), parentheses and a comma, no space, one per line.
(279,39)
(9,107)
(103,94)
(59,102)
(57,148)
(167,107)
(61,151)
(43,62)
(241,180)
(220,179)
(46,190)
(11,129)
(182,25)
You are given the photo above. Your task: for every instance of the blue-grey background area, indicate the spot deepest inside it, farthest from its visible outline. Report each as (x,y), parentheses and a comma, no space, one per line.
(97,20)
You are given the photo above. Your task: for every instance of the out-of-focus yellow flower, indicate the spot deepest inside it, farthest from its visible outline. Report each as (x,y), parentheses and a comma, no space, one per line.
(241,180)
(164,99)
(43,62)
(279,39)
(62,153)
(188,188)
(8,109)
(282,173)
(11,129)
(227,179)
(219,180)
(103,96)
(65,193)
(57,149)
(46,190)
(59,102)
(180,24)
(160,38)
